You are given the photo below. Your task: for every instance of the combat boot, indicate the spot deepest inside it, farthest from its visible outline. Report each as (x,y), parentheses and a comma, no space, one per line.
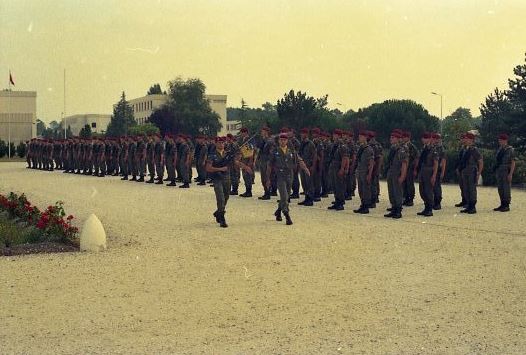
(222,221)
(172,183)
(216,215)
(505,207)
(125,177)
(461,204)
(134,178)
(150,181)
(306,202)
(248,192)
(266,195)
(141,179)
(471,208)
(498,209)
(295,195)
(287,218)
(437,206)
(159,182)
(278,215)
(391,213)
(397,213)
(362,210)
(184,186)
(427,212)
(234,191)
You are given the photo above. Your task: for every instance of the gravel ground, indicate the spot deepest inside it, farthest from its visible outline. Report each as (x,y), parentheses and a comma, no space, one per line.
(172,281)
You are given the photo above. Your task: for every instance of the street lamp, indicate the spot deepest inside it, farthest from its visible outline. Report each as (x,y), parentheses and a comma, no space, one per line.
(441,104)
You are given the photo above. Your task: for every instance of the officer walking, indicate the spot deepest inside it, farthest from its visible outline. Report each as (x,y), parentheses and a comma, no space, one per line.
(504,169)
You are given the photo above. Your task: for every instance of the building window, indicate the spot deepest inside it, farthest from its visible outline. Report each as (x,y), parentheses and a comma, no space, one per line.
(93,124)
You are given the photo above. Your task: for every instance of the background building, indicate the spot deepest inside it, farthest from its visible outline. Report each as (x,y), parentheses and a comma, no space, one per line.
(97,122)
(18,111)
(144,106)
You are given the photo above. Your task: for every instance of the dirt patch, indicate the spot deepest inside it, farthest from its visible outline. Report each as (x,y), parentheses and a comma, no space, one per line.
(37,248)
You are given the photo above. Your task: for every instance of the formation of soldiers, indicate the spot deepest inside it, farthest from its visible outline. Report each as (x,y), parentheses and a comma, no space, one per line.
(319,162)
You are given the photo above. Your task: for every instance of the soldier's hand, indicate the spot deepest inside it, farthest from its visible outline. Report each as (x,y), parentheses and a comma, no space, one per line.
(369,179)
(433,180)
(267,184)
(223,168)
(510,177)
(400,180)
(340,173)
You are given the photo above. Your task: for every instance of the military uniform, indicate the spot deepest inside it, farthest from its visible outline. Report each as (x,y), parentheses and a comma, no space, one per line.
(159,161)
(428,157)
(338,153)
(294,144)
(364,157)
(463,202)
(248,177)
(504,159)
(395,161)
(265,149)
(182,160)
(375,182)
(409,183)
(150,160)
(170,157)
(469,173)
(221,181)
(307,152)
(437,189)
(133,160)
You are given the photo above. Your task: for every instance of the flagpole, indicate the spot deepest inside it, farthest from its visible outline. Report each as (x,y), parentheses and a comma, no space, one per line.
(64,114)
(9,118)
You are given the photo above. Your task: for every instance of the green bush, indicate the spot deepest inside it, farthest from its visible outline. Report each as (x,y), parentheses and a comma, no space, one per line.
(3,149)
(21,150)
(14,232)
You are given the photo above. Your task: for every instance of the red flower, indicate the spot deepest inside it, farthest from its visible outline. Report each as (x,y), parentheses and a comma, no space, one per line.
(70,217)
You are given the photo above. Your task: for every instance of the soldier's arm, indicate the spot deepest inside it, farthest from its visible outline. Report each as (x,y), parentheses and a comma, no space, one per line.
(403,171)
(269,170)
(480,164)
(435,170)
(370,168)
(443,163)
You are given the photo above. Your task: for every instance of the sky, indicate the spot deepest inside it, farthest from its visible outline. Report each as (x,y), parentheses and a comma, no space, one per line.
(357,51)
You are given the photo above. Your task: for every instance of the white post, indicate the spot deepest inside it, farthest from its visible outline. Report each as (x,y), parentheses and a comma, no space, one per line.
(64,119)
(9,119)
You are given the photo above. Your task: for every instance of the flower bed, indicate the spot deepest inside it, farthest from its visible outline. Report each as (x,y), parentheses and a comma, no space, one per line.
(23,223)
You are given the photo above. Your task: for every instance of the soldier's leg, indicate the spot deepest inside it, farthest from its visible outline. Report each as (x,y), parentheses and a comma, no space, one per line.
(295,185)
(263,176)
(437,193)
(220,195)
(506,191)
(283,191)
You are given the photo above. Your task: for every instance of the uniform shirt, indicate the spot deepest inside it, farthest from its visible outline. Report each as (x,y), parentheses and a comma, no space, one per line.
(412,152)
(505,155)
(170,150)
(307,152)
(364,156)
(203,153)
(427,157)
(339,151)
(266,147)
(149,150)
(132,150)
(284,163)
(214,158)
(441,153)
(141,149)
(183,152)
(377,149)
(399,155)
(470,158)
(327,154)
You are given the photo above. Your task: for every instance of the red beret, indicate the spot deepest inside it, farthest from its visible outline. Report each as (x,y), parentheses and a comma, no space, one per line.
(406,134)
(427,135)
(284,130)
(229,135)
(283,136)
(503,136)
(436,135)
(304,130)
(219,139)
(337,131)
(364,133)
(372,134)
(243,130)
(396,133)
(315,130)
(469,135)
(265,129)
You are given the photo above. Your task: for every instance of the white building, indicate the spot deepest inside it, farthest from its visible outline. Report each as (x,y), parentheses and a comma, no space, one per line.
(97,122)
(18,111)
(143,107)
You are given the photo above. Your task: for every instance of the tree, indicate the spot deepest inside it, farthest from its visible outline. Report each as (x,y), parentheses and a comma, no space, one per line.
(458,122)
(54,125)
(517,98)
(21,150)
(187,110)
(122,118)
(144,129)
(41,126)
(155,89)
(388,115)
(296,110)
(13,149)
(85,132)
(3,149)
(496,117)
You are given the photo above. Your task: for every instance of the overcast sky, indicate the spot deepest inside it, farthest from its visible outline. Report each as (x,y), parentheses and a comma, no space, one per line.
(356,51)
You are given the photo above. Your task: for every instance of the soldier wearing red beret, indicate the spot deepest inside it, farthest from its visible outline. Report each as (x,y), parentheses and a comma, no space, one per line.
(504,169)
(338,168)
(427,169)
(307,152)
(442,162)
(397,163)
(265,147)
(470,167)
(378,163)
(409,183)
(364,172)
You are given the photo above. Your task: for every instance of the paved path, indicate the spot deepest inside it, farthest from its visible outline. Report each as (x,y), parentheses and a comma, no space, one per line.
(334,282)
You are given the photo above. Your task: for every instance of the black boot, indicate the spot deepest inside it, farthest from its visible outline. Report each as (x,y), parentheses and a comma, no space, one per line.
(248,192)
(306,202)
(471,208)
(498,209)
(234,191)
(505,207)
(150,181)
(427,212)
(134,178)
(222,221)
(391,213)
(266,195)
(184,186)
(141,179)
(437,206)
(278,215)
(461,204)
(287,218)
(295,195)
(364,209)
(159,182)
(172,183)
(397,213)
(216,215)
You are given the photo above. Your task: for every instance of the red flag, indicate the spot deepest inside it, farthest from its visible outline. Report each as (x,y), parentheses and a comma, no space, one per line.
(11,79)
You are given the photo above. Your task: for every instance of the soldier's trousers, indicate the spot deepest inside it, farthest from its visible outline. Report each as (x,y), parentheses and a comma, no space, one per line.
(409,185)
(437,189)
(316,183)
(201,171)
(425,188)
(295,183)
(170,168)
(503,186)
(234,177)
(262,164)
(151,169)
(159,169)
(338,184)
(364,188)
(247,179)
(469,183)
(375,188)
(123,166)
(284,185)
(326,180)
(350,182)
(134,167)
(460,186)
(222,192)
(142,167)
(184,172)
(395,190)
(307,185)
